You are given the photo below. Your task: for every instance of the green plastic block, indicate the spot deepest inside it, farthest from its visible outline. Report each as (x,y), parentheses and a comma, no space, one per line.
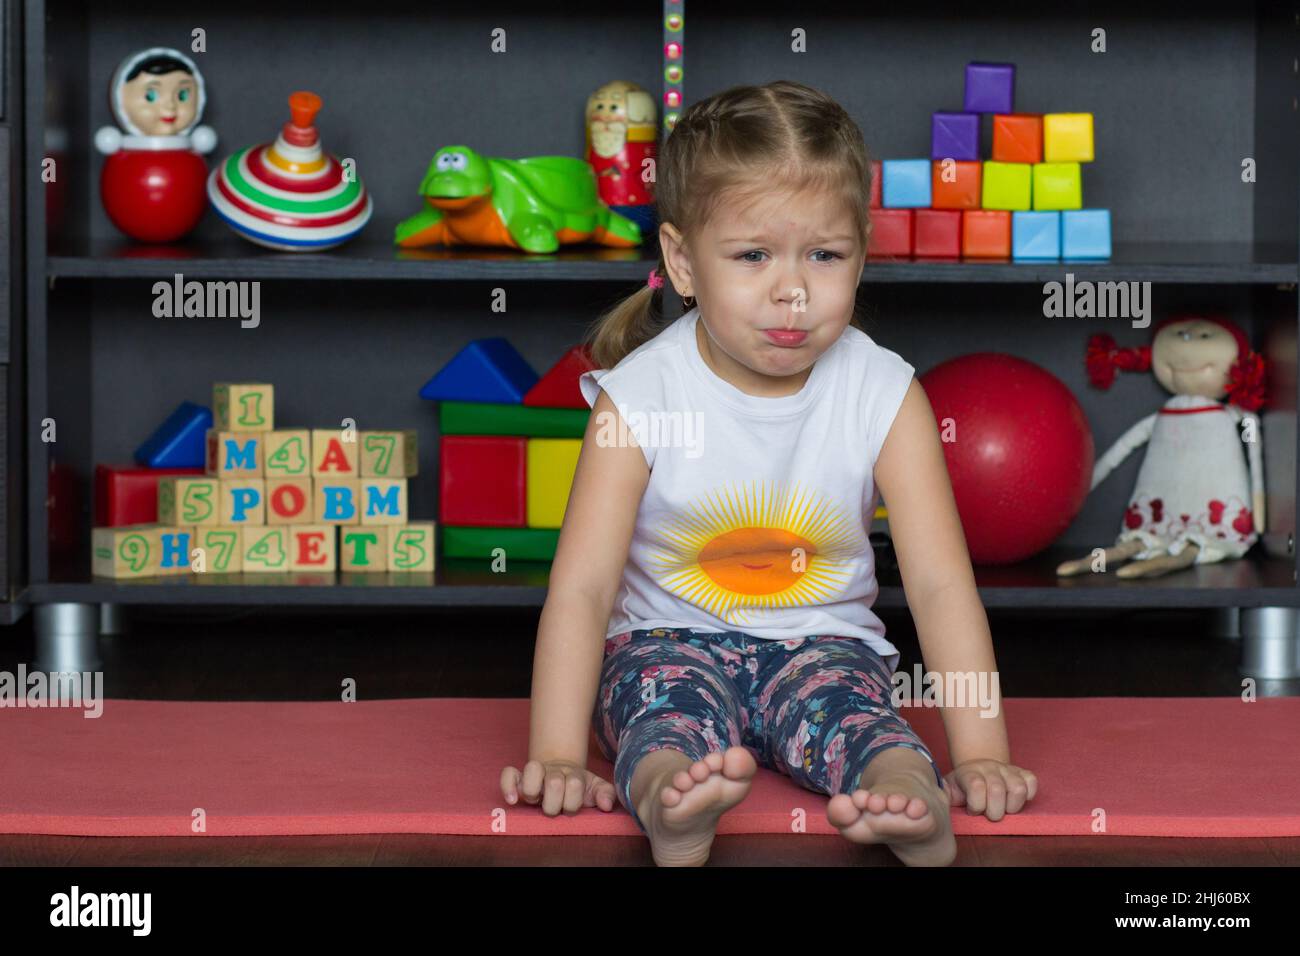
(1058,186)
(488,418)
(1006,185)
(519,544)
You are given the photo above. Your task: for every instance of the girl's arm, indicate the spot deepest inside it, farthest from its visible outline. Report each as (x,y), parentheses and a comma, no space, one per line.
(937,578)
(585,577)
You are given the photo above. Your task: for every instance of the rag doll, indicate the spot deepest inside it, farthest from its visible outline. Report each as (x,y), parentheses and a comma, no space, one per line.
(1197,500)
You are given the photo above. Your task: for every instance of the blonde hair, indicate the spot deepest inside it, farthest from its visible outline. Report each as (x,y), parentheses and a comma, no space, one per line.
(738,143)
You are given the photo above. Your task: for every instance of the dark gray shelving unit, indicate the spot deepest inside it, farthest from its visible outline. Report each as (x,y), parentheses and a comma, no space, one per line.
(1180,101)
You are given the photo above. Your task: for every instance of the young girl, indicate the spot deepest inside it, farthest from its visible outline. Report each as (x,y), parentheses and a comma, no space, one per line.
(711,590)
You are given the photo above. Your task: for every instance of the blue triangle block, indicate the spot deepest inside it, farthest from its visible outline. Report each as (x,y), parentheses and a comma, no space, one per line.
(178,442)
(486,370)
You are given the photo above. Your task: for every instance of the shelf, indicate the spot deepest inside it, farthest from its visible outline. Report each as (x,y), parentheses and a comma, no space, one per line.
(1253,582)
(1181,262)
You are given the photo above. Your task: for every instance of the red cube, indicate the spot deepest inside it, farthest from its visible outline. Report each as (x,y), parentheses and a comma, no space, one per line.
(484,480)
(986,233)
(938,233)
(875,184)
(128,494)
(891,232)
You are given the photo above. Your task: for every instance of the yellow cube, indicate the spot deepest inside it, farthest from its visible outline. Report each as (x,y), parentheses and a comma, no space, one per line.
(266,547)
(312,547)
(410,547)
(189,501)
(243,501)
(383,501)
(221,547)
(243,406)
(551,464)
(388,454)
(1067,137)
(364,548)
(287,454)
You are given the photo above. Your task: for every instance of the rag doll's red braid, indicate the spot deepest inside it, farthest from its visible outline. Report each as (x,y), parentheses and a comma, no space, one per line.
(1105,358)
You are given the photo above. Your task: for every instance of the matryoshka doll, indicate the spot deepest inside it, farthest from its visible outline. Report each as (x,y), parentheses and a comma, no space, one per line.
(152,185)
(621,131)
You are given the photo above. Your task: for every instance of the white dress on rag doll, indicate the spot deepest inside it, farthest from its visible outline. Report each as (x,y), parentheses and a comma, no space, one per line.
(1193,485)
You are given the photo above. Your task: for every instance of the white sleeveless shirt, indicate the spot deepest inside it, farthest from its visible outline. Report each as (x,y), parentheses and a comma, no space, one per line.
(757,511)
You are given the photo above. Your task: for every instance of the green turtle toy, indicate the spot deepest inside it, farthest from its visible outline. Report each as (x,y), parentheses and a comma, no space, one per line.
(533,204)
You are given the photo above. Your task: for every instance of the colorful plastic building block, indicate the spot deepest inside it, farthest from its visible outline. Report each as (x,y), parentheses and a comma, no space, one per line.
(125,495)
(551,465)
(1057,186)
(1007,185)
(487,418)
(986,234)
(874,202)
(956,185)
(938,233)
(243,407)
(891,232)
(1067,138)
(485,370)
(990,88)
(179,441)
(1018,138)
(558,388)
(482,480)
(1035,235)
(518,544)
(954,135)
(907,183)
(1085,234)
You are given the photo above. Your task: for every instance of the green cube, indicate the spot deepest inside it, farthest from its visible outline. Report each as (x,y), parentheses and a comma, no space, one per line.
(1058,186)
(489,418)
(519,544)
(1006,186)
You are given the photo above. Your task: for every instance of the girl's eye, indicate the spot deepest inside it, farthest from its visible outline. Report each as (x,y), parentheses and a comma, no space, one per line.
(751,252)
(833,255)
(151,96)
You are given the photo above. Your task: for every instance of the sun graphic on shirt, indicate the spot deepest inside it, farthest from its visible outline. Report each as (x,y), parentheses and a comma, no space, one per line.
(758,547)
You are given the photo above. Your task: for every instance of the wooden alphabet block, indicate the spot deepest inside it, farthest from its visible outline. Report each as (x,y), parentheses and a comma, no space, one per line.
(234,454)
(290,500)
(243,501)
(410,547)
(287,454)
(389,454)
(243,406)
(336,500)
(142,550)
(364,548)
(312,547)
(189,501)
(383,501)
(221,550)
(332,456)
(265,547)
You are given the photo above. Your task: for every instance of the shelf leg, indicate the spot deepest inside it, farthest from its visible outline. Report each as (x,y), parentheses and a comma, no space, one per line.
(67,637)
(1225,622)
(1270,643)
(112,619)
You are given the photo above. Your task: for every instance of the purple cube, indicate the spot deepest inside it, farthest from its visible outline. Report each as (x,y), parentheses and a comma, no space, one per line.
(955,136)
(990,87)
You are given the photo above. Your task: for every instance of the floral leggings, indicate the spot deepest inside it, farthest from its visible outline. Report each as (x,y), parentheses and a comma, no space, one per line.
(815,708)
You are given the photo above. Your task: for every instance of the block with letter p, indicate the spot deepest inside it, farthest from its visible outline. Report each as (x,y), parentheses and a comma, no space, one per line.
(243,501)
(234,454)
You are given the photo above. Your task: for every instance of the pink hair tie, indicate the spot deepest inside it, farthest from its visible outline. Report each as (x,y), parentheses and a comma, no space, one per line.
(656,281)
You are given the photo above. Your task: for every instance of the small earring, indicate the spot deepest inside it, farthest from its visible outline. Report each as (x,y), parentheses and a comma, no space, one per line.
(691,303)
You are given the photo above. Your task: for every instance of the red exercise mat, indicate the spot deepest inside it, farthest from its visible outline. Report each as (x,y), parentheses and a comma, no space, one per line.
(1178,767)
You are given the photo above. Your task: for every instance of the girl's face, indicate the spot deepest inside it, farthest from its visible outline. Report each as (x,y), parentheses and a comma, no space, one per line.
(1193,357)
(775,284)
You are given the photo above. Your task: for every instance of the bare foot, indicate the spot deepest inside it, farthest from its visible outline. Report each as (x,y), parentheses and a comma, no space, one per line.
(903,809)
(681,813)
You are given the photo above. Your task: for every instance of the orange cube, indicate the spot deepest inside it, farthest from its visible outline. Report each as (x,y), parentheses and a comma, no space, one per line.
(1018,138)
(986,233)
(963,192)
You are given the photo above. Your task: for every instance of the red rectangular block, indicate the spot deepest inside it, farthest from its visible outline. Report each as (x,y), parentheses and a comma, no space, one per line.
(891,232)
(128,494)
(938,233)
(875,185)
(484,480)
(986,233)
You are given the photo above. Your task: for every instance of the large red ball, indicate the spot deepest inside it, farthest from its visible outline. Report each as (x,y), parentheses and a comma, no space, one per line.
(1022,455)
(154,195)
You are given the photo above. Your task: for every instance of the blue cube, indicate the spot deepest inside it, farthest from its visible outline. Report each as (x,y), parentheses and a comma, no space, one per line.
(990,87)
(1035,235)
(905,183)
(180,441)
(1085,234)
(955,136)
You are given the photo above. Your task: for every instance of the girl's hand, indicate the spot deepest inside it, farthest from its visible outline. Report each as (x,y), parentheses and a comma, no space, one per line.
(990,787)
(559,785)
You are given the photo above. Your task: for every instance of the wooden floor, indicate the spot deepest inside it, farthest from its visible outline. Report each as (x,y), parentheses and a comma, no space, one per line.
(219,654)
